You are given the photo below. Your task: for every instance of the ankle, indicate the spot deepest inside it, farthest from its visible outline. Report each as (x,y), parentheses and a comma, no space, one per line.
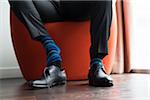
(95,61)
(56,63)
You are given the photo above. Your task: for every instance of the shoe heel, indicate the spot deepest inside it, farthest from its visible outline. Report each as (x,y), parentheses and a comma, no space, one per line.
(91,83)
(62,82)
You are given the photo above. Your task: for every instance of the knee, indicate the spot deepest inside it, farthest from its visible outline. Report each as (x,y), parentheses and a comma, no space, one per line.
(105,7)
(12,3)
(106,4)
(15,4)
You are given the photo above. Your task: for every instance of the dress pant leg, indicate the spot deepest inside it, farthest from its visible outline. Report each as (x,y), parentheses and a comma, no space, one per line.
(100,18)
(34,13)
(100,15)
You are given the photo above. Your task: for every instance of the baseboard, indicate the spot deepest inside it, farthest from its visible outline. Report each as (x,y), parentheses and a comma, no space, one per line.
(10,72)
(143,71)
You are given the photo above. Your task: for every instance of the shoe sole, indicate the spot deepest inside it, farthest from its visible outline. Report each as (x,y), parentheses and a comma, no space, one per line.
(48,85)
(100,84)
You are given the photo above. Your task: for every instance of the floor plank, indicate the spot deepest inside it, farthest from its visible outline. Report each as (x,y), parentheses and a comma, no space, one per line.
(20,98)
(126,87)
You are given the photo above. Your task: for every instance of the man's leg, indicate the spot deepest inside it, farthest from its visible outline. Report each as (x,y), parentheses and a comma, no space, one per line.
(32,14)
(101,17)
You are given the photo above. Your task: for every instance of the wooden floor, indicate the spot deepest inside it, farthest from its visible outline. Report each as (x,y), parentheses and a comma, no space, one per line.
(126,87)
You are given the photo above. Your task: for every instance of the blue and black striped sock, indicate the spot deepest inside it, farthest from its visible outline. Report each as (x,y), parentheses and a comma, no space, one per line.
(52,51)
(95,61)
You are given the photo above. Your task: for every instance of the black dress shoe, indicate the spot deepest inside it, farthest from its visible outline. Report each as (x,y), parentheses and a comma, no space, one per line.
(52,76)
(98,77)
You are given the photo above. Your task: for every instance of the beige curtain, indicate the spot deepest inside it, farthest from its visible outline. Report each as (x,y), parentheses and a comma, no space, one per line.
(121,61)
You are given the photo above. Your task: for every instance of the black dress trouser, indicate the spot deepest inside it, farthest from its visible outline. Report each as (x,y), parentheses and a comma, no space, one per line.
(34,14)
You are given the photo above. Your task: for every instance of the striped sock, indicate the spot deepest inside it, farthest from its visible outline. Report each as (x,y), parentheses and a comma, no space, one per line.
(96,61)
(52,51)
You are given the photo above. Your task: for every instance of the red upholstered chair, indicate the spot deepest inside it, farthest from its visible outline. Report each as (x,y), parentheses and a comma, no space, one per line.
(72,37)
